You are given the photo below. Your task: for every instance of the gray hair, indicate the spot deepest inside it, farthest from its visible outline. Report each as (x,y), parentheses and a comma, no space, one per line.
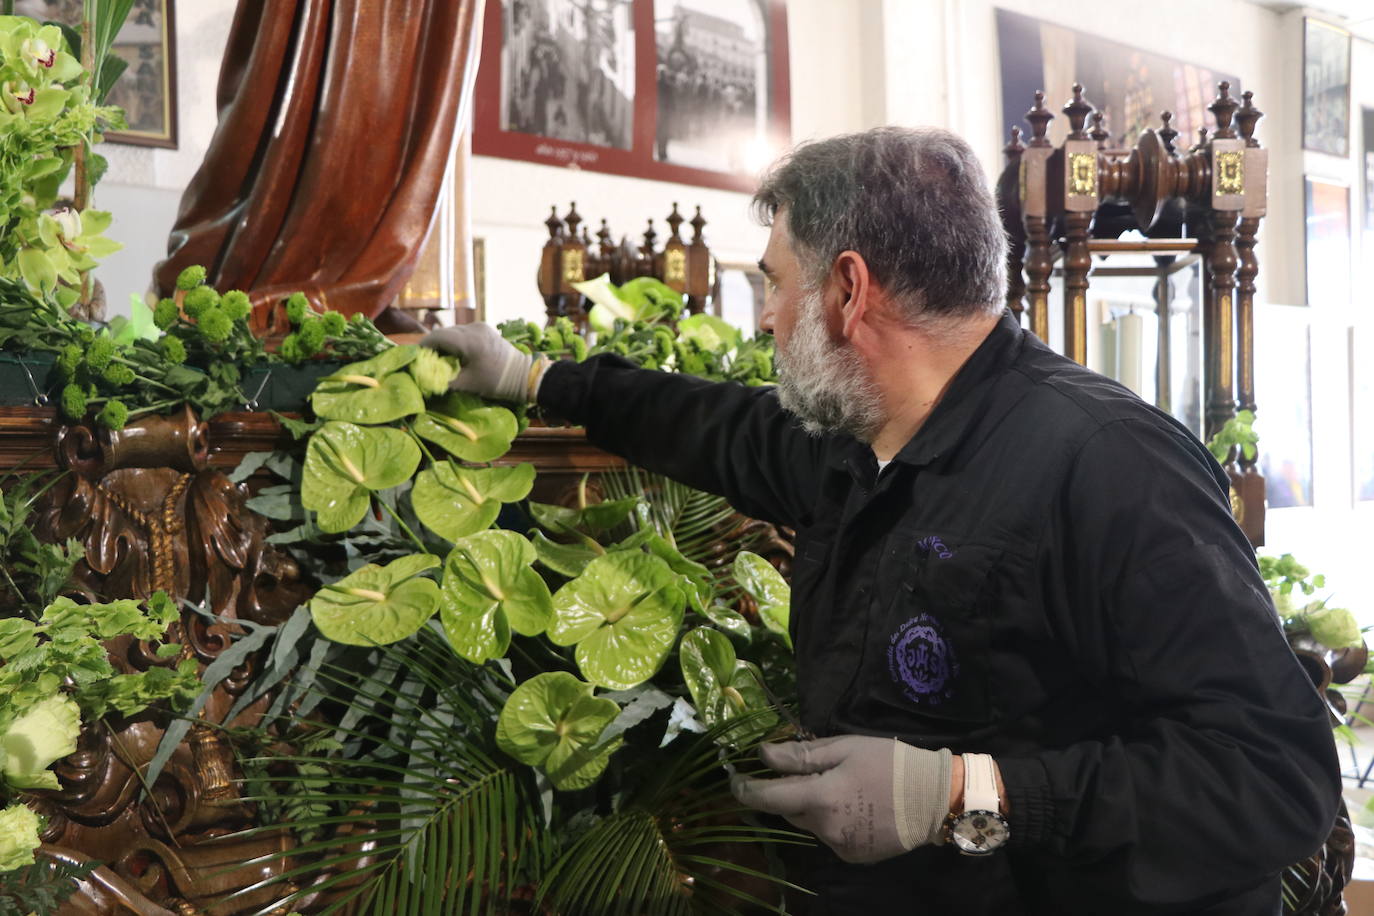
(912,201)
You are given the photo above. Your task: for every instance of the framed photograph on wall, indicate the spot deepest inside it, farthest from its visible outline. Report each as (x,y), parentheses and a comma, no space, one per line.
(1283,395)
(1325,88)
(1328,241)
(690,91)
(147,90)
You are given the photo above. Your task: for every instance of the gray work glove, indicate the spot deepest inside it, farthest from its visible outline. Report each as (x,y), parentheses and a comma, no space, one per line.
(491,366)
(866,798)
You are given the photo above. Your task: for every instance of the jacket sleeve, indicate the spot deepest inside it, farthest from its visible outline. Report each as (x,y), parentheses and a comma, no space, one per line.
(1220,768)
(723,438)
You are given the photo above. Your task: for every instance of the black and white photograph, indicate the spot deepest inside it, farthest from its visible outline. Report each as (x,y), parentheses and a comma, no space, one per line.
(712,79)
(1325,88)
(568,70)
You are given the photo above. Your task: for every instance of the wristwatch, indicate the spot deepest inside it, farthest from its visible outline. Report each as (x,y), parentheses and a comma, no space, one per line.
(981,829)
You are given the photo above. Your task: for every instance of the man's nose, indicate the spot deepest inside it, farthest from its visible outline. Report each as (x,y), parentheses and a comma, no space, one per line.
(766,319)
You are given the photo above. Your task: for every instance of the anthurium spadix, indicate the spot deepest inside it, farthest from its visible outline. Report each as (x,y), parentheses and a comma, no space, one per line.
(372,391)
(623,615)
(376,605)
(346,463)
(553,721)
(465,427)
(722,686)
(489,590)
(454,501)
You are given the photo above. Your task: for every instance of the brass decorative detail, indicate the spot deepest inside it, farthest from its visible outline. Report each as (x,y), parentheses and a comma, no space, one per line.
(674,266)
(572,266)
(1237,507)
(1083,174)
(1226,351)
(1230,168)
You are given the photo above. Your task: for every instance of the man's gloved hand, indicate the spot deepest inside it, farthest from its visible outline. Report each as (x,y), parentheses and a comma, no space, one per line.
(491,366)
(866,798)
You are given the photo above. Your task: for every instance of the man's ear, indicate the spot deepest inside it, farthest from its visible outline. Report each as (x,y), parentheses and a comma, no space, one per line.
(851,287)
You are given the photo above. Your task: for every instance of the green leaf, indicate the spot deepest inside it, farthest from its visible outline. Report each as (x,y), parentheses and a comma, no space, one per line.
(377,605)
(722,686)
(393,397)
(768,589)
(455,501)
(565,559)
(489,589)
(594,519)
(465,427)
(345,463)
(553,721)
(37,269)
(623,614)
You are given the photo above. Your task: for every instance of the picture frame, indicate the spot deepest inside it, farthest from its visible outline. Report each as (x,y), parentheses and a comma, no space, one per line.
(1327,240)
(147,90)
(1283,395)
(1325,88)
(688,91)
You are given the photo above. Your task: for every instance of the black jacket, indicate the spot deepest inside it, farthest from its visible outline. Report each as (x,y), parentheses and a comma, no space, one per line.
(1047,572)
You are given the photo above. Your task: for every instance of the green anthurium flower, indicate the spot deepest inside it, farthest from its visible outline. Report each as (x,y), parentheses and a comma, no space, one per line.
(709,332)
(553,721)
(623,614)
(38,737)
(592,519)
(371,391)
(455,501)
(19,827)
(490,590)
(464,426)
(377,605)
(769,590)
(722,686)
(345,464)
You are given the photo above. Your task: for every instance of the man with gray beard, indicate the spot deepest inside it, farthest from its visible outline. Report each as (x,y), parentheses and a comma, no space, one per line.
(1045,671)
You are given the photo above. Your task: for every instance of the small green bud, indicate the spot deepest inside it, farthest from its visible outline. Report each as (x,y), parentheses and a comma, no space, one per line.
(311,336)
(579,348)
(200,300)
(334,323)
(290,349)
(564,326)
(236,304)
(166,313)
(173,350)
(214,325)
(553,340)
(68,360)
(85,333)
(191,277)
(296,308)
(536,333)
(74,402)
(99,353)
(118,374)
(113,415)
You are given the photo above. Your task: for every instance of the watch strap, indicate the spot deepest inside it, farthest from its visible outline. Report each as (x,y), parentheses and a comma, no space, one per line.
(980,783)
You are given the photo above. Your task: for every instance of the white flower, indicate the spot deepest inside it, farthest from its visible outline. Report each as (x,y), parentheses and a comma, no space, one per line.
(39,52)
(42,735)
(18,837)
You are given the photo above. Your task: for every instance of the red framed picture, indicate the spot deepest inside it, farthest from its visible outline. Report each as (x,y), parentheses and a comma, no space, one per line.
(688,91)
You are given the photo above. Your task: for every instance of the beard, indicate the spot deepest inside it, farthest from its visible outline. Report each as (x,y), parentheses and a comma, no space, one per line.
(826,384)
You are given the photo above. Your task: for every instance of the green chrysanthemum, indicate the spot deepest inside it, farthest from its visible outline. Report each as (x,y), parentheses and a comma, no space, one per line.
(236,304)
(74,402)
(215,326)
(311,336)
(191,277)
(200,300)
(98,354)
(118,374)
(113,415)
(290,349)
(173,350)
(579,348)
(296,307)
(432,372)
(68,360)
(166,313)
(85,333)
(334,323)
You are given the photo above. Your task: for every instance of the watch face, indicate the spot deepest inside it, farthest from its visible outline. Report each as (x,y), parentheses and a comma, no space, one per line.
(977,833)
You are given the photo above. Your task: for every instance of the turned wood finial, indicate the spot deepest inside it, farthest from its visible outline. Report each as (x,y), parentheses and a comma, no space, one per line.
(698,223)
(1099,132)
(1039,117)
(572,219)
(553,222)
(604,237)
(1167,132)
(649,236)
(1201,138)
(675,219)
(1014,147)
(1247,117)
(1078,110)
(1223,108)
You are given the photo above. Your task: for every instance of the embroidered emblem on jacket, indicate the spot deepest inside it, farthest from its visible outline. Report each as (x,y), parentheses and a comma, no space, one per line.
(921,661)
(935,545)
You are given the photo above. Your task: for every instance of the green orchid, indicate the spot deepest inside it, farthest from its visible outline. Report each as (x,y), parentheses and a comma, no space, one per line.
(769,590)
(489,590)
(372,391)
(377,605)
(465,427)
(38,737)
(455,501)
(722,686)
(19,828)
(553,721)
(623,615)
(345,464)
